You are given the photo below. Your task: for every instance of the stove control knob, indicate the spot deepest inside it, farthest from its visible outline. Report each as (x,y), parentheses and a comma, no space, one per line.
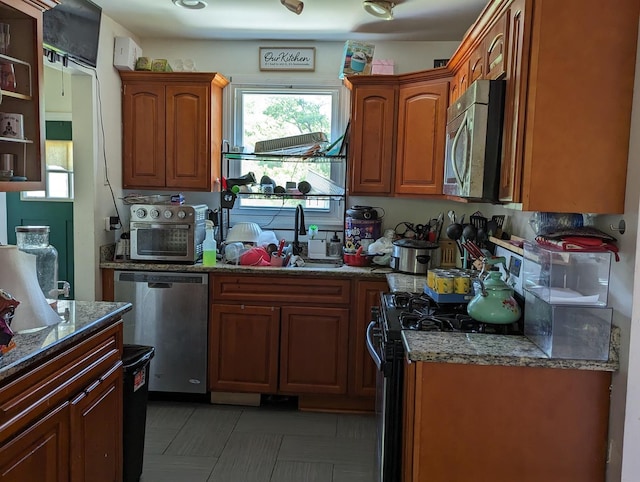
(182,214)
(154,213)
(167,214)
(141,213)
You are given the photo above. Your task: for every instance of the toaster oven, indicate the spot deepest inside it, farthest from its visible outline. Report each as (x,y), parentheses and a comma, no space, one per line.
(167,233)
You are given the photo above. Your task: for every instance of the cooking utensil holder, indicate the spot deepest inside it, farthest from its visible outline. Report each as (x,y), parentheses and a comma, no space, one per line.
(448,253)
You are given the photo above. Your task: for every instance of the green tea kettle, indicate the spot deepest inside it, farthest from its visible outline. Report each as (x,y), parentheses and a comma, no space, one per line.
(494,301)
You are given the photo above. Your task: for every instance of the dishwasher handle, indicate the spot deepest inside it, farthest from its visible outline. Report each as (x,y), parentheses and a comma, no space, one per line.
(160,279)
(160,285)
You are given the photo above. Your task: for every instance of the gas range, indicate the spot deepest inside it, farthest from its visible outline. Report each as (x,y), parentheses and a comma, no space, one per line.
(410,311)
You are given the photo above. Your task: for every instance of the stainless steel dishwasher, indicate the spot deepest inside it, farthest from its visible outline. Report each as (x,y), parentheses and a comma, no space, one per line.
(170,313)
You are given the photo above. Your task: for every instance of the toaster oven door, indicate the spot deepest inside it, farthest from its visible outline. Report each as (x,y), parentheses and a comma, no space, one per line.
(163,242)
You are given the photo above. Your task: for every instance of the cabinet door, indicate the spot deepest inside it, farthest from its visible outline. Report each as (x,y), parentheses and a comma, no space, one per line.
(243,348)
(24,19)
(514,113)
(459,83)
(362,381)
(495,45)
(96,430)
(188,136)
(41,452)
(314,350)
(143,142)
(422,118)
(477,66)
(372,139)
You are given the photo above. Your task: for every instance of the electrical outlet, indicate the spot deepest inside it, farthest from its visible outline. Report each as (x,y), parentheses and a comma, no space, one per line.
(111,223)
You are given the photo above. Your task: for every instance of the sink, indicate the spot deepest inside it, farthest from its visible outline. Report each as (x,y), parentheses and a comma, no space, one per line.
(310,264)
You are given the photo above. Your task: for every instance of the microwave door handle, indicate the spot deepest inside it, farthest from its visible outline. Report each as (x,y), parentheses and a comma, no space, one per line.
(371,345)
(454,143)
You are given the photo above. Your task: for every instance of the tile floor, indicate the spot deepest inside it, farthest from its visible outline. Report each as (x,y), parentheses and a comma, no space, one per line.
(200,442)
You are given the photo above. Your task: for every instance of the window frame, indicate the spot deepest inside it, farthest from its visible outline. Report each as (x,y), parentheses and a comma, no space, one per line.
(280,217)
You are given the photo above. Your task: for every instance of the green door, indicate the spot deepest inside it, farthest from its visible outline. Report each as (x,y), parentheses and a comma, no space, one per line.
(58,215)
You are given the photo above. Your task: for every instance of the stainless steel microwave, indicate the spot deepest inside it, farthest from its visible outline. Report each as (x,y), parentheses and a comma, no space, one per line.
(167,233)
(474,141)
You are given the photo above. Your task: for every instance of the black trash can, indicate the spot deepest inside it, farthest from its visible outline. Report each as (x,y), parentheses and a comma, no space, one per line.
(135,360)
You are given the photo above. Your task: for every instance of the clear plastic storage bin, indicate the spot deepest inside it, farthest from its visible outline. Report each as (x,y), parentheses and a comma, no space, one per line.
(572,332)
(577,278)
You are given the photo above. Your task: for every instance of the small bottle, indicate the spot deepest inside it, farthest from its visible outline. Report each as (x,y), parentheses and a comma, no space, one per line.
(335,247)
(209,246)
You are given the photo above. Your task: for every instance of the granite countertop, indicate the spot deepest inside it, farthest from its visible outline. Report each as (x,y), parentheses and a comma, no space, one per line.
(343,271)
(78,319)
(485,349)
(506,350)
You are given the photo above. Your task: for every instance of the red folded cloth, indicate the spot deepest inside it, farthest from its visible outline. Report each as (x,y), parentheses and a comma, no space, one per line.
(580,243)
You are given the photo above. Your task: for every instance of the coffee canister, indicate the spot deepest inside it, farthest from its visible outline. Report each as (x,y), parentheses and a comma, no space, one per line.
(362,226)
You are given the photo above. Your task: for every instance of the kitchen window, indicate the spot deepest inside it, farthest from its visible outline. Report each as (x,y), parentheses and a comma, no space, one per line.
(59,173)
(266,111)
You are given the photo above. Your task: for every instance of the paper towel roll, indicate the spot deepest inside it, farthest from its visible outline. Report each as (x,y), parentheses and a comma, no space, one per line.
(18,276)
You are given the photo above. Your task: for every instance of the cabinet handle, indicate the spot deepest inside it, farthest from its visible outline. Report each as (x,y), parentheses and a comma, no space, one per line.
(92,387)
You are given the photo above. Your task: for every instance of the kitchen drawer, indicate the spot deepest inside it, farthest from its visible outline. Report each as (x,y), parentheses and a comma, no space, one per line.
(277,290)
(58,379)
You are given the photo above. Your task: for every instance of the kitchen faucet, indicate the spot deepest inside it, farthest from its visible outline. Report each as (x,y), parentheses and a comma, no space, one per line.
(299,228)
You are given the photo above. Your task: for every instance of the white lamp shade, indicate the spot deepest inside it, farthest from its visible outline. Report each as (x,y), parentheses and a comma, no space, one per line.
(18,277)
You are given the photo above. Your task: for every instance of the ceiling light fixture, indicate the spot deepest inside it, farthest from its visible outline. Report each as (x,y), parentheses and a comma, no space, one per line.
(295,6)
(379,8)
(190,4)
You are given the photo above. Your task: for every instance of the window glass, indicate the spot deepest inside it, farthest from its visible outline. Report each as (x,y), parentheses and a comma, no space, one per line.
(59,172)
(268,113)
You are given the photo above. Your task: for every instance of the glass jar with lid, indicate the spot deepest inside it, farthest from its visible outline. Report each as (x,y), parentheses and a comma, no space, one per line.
(35,240)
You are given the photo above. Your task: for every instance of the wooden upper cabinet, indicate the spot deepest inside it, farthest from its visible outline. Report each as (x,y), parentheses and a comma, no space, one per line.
(494,52)
(514,101)
(422,112)
(477,65)
(372,146)
(25,22)
(143,119)
(172,129)
(569,148)
(459,83)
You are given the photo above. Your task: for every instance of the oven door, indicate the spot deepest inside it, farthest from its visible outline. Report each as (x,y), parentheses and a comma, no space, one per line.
(162,242)
(388,360)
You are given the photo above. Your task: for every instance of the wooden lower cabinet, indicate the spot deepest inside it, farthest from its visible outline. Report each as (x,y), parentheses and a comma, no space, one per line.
(314,350)
(41,452)
(243,348)
(362,376)
(80,439)
(501,424)
(293,335)
(96,442)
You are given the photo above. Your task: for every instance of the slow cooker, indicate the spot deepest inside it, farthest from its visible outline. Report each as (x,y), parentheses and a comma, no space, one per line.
(414,256)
